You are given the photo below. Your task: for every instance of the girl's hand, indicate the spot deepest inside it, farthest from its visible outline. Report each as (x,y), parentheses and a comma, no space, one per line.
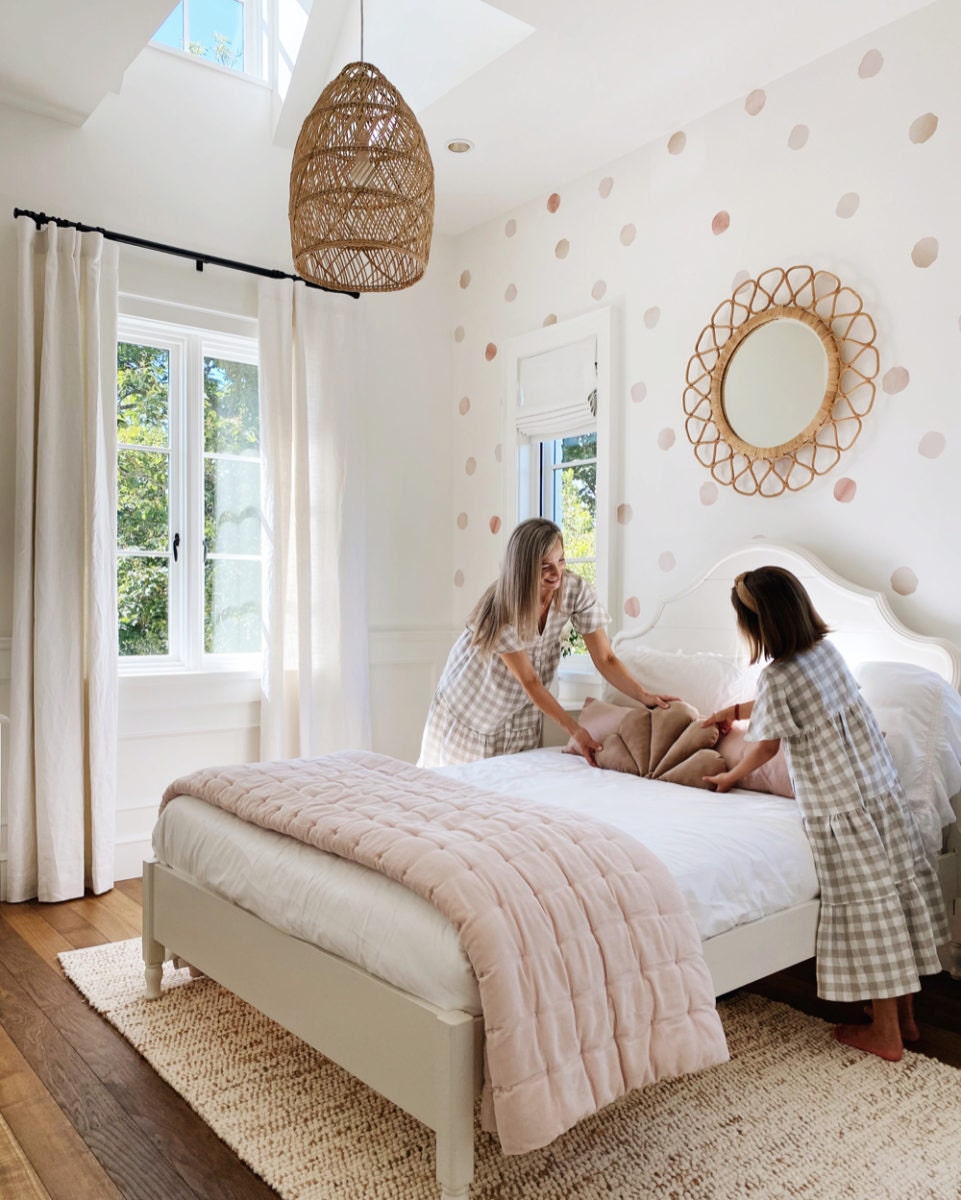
(586,744)
(723,720)
(722,782)
(652,701)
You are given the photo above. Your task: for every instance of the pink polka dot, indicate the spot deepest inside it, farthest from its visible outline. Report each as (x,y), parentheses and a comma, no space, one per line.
(470,466)
(755,102)
(676,143)
(465,279)
(932,445)
(605,187)
(632,606)
(666,439)
(708,494)
(895,380)
(498,452)
(490,351)
(922,128)
(638,392)
(624,514)
(666,561)
(550,319)
(462,520)
(510,228)
(458,579)
(464,407)
(904,581)
(598,290)
(510,294)
(848,204)
(495,524)
(844,491)
(628,234)
(553,202)
(459,333)
(798,137)
(925,252)
(871,64)
(651,317)
(721,222)
(562,249)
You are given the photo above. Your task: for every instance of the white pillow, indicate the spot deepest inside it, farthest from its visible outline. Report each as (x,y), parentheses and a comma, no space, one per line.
(920,714)
(705,681)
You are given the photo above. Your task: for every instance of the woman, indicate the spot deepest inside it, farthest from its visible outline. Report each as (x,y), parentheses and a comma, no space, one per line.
(494,688)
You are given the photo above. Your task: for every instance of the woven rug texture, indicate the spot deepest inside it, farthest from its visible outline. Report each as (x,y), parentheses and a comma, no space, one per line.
(793,1115)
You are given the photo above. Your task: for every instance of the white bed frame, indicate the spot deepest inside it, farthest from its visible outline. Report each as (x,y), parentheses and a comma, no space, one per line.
(428,1061)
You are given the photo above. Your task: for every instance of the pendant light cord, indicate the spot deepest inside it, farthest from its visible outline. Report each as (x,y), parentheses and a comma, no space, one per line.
(361,30)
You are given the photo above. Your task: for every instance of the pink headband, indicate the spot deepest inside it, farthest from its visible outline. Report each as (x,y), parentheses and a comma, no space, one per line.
(743,594)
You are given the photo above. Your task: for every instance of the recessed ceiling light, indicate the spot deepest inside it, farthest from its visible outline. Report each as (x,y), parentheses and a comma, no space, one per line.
(460,146)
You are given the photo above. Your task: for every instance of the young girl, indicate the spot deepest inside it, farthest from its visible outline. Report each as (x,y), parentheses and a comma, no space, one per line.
(882,915)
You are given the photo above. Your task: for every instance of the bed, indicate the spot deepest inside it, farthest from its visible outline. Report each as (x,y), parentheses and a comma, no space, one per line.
(374,978)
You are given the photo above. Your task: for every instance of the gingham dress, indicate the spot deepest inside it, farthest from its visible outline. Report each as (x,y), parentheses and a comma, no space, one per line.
(882,914)
(479,709)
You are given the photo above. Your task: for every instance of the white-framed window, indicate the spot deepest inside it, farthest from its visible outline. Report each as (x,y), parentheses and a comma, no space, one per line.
(229,33)
(559,438)
(189,523)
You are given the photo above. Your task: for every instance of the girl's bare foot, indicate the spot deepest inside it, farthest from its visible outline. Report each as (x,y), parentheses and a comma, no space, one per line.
(868,1038)
(909,1026)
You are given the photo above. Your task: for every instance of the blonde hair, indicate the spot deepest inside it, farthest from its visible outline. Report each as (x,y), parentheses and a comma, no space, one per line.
(514,599)
(775,613)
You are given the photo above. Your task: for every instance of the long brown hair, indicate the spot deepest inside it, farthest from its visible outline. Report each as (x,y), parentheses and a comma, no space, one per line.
(775,613)
(514,599)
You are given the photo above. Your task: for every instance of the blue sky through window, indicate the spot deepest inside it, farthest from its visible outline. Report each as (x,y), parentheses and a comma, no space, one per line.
(214,30)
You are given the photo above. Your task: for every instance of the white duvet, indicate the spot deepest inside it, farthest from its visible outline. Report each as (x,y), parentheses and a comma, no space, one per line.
(736,858)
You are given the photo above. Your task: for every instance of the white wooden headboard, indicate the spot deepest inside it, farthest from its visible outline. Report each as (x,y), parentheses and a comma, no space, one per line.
(863,626)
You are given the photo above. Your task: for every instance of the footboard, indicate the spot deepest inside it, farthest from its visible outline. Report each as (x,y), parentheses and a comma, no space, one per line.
(425,1060)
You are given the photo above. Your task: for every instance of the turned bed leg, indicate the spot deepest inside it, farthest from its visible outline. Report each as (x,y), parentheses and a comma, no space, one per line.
(153,951)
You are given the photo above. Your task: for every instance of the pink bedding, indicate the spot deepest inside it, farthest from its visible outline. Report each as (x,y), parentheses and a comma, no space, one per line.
(588,963)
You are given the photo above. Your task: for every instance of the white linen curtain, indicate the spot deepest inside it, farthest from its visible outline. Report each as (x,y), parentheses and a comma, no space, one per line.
(315,679)
(63,660)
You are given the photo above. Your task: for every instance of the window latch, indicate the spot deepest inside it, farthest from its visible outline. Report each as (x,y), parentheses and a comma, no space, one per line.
(176,545)
(205,551)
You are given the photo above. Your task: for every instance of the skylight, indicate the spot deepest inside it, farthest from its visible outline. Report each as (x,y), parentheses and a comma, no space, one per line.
(214,30)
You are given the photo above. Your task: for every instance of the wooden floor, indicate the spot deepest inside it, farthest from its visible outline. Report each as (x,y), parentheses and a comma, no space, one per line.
(83,1117)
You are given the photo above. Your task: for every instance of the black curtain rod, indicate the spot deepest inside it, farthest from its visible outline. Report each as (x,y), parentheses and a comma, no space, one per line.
(42,219)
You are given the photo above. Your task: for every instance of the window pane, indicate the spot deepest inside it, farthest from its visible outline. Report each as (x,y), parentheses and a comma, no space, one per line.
(232,606)
(578,510)
(143,395)
(171,32)
(142,499)
(217,31)
(231,407)
(142,601)
(576,449)
(232,506)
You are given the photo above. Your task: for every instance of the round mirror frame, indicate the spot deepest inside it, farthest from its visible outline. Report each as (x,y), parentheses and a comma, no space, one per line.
(847,333)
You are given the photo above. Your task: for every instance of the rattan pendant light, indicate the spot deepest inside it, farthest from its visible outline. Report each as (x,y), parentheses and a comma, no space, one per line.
(361,187)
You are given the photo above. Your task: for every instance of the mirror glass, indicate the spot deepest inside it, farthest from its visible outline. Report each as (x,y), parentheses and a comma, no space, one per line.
(775,382)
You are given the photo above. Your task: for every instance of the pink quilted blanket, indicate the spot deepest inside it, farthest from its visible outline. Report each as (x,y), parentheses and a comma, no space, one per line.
(589,966)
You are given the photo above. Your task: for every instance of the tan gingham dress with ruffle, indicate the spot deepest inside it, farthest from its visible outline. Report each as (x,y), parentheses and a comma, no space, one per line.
(882,913)
(479,710)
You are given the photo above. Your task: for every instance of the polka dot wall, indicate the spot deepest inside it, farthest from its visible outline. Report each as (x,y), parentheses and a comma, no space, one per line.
(849,166)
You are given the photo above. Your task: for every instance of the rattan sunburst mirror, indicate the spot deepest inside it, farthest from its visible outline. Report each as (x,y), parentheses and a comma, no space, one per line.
(780,381)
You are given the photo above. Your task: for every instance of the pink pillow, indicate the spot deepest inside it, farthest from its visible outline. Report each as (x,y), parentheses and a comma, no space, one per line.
(599,719)
(772,777)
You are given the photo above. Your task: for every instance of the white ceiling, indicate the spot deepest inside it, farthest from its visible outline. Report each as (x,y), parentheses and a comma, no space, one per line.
(547,90)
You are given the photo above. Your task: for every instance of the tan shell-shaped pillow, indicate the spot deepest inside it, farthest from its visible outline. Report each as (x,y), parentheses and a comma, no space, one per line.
(663,743)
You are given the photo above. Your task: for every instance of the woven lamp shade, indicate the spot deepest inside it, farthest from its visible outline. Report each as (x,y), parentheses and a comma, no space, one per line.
(361,188)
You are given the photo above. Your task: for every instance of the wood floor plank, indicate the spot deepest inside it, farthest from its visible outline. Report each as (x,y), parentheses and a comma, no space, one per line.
(17,1177)
(36,931)
(110,914)
(132,888)
(60,1157)
(72,925)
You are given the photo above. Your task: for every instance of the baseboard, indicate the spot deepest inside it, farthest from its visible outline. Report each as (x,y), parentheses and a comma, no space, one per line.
(3,880)
(128,858)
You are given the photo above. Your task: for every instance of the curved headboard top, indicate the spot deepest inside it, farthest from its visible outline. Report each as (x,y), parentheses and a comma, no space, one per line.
(863,626)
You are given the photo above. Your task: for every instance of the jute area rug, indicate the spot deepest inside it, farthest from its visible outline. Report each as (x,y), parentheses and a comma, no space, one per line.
(793,1115)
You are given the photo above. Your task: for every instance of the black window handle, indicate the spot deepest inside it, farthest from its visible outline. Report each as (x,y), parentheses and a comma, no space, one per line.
(176,545)
(205,551)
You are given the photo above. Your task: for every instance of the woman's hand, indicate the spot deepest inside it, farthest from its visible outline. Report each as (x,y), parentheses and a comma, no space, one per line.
(586,744)
(650,700)
(722,782)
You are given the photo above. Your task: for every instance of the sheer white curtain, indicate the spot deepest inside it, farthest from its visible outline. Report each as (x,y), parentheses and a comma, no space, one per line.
(315,680)
(63,657)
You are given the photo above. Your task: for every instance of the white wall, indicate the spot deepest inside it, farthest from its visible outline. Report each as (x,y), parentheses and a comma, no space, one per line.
(182,155)
(641,239)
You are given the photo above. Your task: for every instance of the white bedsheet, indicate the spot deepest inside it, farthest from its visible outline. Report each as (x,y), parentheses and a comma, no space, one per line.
(736,858)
